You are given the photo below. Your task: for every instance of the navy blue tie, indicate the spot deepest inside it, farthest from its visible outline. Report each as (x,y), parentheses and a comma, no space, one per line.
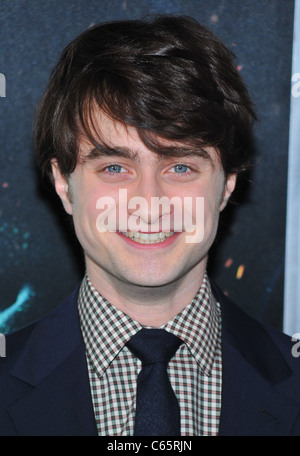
(157,408)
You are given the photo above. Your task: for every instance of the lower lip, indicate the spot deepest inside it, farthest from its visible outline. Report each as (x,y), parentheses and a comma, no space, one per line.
(158,245)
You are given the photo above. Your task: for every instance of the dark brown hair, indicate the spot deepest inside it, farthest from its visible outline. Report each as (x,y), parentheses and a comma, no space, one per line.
(169,77)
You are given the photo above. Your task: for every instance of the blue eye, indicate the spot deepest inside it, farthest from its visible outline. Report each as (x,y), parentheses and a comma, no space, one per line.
(180,168)
(114,169)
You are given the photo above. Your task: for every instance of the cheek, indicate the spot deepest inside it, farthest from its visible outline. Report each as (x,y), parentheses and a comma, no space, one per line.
(96,211)
(85,193)
(84,207)
(212,196)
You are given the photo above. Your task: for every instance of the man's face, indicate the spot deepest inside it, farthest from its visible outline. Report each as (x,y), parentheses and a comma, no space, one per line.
(139,172)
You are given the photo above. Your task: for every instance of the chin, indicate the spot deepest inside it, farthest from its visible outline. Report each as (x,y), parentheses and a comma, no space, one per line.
(149,282)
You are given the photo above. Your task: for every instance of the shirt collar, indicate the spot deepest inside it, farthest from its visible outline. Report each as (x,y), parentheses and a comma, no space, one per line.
(107,329)
(199,326)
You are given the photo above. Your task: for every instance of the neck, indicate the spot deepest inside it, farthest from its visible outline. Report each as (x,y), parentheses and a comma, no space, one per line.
(148,305)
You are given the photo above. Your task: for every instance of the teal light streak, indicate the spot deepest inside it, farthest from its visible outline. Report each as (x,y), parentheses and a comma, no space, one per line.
(24,295)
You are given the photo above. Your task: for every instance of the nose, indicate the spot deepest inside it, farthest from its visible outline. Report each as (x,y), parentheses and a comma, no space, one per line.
(144,205)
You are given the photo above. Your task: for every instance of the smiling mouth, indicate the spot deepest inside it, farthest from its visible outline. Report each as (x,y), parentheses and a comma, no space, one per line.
(148,238)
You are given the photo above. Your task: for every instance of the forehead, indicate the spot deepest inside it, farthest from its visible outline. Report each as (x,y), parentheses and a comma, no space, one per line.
(110,137)
(110,132)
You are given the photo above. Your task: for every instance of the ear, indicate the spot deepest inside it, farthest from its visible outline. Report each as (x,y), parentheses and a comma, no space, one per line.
(228,189)
(61,186)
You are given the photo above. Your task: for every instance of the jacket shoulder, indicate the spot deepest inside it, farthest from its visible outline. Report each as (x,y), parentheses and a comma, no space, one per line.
(16,341)
(268,349)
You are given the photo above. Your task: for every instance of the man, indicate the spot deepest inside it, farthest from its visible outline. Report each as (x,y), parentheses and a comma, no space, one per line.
(135,112)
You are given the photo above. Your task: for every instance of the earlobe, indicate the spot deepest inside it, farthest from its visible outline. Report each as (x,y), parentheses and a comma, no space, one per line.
(61,186)
(228,189)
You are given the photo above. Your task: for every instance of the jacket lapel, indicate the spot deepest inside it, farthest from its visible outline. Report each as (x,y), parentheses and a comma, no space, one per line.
(257,393)
(53,371)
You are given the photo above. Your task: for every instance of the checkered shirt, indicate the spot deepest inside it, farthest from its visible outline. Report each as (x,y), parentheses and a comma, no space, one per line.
(195,371)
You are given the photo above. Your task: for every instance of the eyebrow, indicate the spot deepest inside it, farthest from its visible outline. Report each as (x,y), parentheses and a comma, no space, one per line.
(102,151)
(125,152)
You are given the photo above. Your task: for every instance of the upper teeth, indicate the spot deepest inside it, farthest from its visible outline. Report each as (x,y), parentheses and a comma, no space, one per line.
(147,238)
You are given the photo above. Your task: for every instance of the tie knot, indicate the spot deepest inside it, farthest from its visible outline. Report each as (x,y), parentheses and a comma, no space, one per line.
(154,345)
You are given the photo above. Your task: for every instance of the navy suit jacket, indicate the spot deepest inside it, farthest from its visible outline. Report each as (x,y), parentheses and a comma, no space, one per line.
(45,391)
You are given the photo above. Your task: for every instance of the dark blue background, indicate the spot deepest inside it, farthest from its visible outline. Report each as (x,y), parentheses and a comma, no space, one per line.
(36,246)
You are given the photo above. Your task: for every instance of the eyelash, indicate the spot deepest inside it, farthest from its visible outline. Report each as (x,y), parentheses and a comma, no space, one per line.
(186,173)
(111,166)
(183,166)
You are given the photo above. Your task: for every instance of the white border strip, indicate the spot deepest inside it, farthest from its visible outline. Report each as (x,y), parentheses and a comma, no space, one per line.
(291,317)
